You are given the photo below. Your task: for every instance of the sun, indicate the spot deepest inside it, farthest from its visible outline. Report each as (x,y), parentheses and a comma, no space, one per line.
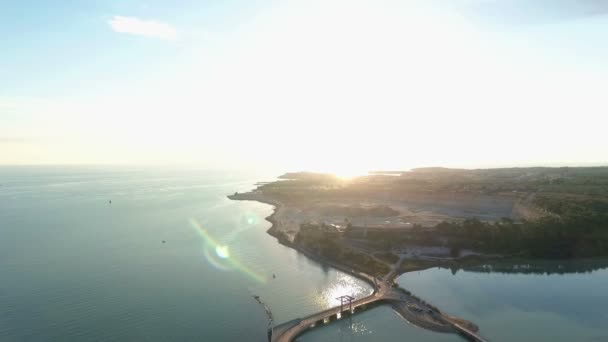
(349,173)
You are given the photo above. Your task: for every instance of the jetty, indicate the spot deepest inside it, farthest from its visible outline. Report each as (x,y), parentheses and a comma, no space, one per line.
(288,331)
(384,293)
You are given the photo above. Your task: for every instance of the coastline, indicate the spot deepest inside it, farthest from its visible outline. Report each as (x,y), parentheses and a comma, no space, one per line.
(274,232)
(276,205)
(431,319)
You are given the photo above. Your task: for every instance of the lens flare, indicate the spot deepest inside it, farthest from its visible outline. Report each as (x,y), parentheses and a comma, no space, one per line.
(218,255)
(222,252)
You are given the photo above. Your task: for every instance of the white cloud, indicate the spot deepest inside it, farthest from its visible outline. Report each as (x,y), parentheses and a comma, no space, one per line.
(148,28)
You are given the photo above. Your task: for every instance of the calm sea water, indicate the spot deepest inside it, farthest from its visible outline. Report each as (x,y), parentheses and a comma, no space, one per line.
(378,324)
(74,267)
(521,307)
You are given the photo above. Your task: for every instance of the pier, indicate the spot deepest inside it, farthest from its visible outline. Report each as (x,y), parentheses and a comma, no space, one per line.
(289,331)
(383,293)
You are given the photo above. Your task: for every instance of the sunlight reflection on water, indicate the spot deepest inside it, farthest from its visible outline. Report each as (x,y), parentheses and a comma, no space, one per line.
(345,285)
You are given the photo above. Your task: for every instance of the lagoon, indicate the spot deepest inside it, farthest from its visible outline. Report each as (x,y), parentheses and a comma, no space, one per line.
(521,306)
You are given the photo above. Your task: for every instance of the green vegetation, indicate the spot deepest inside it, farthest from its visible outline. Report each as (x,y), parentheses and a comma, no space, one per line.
(316,240)
(410,265)
(357,211)
(578,228)
(389,257)
(587,181)
(581,181)
(528,266)
(566,208)
(574,227)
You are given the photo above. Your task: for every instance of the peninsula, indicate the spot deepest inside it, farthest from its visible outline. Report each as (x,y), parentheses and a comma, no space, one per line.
(379,226)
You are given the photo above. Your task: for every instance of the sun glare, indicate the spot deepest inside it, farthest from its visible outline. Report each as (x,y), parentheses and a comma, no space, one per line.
(349,175)
(222,252)
(342,286)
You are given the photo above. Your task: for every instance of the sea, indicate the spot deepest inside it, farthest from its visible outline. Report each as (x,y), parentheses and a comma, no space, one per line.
(107,253)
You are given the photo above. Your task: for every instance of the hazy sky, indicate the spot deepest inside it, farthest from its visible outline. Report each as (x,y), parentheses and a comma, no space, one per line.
(314,84)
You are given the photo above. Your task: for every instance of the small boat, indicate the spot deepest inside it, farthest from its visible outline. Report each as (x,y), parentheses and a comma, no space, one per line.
(274,276)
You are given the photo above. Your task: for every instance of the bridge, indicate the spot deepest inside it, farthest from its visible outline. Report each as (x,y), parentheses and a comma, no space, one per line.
(286,332)
(383,294)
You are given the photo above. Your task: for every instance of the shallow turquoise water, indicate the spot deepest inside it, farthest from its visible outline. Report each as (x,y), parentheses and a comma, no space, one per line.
(74,267)
(520,307)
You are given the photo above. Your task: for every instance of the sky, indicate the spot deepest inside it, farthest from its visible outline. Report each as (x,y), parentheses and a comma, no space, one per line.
(343,86)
